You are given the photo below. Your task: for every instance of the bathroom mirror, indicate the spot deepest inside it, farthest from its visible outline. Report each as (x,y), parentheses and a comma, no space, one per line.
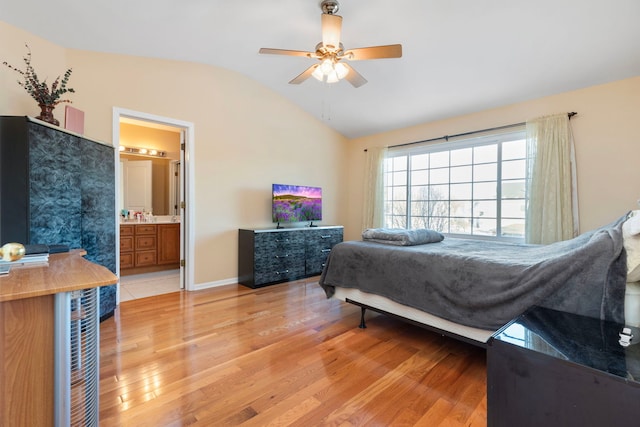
(149,185)
(148,182)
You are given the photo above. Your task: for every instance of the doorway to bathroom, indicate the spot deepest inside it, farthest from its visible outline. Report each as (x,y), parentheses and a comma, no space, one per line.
(153,195)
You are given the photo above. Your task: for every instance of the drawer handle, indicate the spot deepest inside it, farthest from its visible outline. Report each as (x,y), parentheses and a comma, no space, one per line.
(282,256)
(326,250)
(282,240)
(325,237)
(282,272)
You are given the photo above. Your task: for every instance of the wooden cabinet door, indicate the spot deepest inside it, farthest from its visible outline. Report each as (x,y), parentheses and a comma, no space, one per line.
(168,243)
(126,246)
(145,243)
(145,258)
(126,260)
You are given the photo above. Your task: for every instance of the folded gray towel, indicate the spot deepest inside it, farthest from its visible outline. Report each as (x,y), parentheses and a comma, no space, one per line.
(401,236)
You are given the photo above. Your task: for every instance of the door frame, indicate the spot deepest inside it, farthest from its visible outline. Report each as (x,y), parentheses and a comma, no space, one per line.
(174,203)
(187,234)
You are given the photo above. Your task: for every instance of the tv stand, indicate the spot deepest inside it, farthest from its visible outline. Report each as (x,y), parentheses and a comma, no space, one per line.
(278,226)
(311,224)
(269,256)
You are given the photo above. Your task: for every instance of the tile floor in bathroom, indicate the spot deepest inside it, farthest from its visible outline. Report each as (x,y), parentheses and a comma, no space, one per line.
(149,284)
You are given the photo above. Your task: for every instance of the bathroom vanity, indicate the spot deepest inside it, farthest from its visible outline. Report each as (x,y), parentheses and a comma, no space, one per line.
(149,246)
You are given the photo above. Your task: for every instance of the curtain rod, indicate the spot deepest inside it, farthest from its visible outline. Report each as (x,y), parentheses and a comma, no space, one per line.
(446,137)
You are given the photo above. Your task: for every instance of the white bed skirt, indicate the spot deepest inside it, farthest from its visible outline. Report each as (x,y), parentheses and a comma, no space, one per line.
(632,311)
(382,303)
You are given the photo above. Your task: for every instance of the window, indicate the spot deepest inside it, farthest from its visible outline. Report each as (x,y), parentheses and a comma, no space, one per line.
(474,187)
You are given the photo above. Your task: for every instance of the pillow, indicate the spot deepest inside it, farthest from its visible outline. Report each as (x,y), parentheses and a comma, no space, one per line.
(631,236)
(401,236)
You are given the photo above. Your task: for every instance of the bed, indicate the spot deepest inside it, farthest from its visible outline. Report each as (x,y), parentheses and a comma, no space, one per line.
(468,288)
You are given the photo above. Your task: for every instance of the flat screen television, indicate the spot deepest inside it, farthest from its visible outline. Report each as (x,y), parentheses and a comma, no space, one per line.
(296,203)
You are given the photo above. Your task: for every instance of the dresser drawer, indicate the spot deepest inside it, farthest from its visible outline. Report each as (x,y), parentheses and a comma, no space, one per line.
(145,229)
(325,238)
(145,242)
(319,245)
(126,243)
(144,258)
(279,273)
(126,260)
(126,230)
(281,240)
(315,263)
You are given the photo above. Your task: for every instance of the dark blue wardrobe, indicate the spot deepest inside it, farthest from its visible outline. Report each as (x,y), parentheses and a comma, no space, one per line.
(58,188)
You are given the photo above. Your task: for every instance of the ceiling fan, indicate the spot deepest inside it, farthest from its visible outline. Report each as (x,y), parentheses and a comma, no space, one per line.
(330,53)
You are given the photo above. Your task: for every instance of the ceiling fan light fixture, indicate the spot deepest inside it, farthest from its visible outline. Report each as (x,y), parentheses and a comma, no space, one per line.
(318,74)
(341,70)
(330,71)
(327,66)
(332,77)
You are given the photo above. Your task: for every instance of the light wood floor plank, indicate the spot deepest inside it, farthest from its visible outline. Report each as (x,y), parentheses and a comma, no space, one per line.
(277,356)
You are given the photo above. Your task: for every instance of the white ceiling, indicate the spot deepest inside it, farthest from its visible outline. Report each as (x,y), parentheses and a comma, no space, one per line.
(459,56)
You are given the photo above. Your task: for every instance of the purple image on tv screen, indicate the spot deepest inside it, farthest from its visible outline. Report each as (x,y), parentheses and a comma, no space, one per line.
(296,203)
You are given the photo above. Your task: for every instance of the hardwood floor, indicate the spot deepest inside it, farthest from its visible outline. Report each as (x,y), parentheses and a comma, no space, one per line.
(280,355)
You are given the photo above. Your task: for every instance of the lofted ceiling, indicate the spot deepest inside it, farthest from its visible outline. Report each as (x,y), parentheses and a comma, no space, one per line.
(459,56)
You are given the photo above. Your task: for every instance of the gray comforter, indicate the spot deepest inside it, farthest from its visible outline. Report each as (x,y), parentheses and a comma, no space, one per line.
(485,284)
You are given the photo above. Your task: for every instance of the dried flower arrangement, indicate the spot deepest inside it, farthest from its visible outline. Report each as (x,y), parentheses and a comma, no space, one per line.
(46,97)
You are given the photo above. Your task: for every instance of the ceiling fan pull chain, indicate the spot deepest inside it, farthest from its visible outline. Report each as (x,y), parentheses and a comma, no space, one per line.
(326,104)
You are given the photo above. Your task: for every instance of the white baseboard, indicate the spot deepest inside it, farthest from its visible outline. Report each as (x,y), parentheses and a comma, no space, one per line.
(217,283)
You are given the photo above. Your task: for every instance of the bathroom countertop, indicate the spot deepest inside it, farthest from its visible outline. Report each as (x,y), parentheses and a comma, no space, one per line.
(154,221)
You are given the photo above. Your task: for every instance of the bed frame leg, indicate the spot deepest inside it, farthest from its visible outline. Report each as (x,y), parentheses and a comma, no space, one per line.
(363,325)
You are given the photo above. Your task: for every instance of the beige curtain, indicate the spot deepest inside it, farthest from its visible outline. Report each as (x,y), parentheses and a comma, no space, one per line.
(373,211)
(552,210)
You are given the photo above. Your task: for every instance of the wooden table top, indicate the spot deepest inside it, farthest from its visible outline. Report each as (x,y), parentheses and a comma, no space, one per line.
(65,272)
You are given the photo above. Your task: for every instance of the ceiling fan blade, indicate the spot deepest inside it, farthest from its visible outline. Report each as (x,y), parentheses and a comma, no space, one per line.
(354,77)
(287,52)
(331,29)
(304,75)
(374,52)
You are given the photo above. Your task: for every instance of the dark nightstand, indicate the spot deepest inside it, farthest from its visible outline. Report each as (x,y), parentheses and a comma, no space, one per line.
(550,368)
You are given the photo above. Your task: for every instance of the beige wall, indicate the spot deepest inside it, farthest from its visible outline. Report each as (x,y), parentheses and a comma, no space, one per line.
(606,136)
(246,136)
